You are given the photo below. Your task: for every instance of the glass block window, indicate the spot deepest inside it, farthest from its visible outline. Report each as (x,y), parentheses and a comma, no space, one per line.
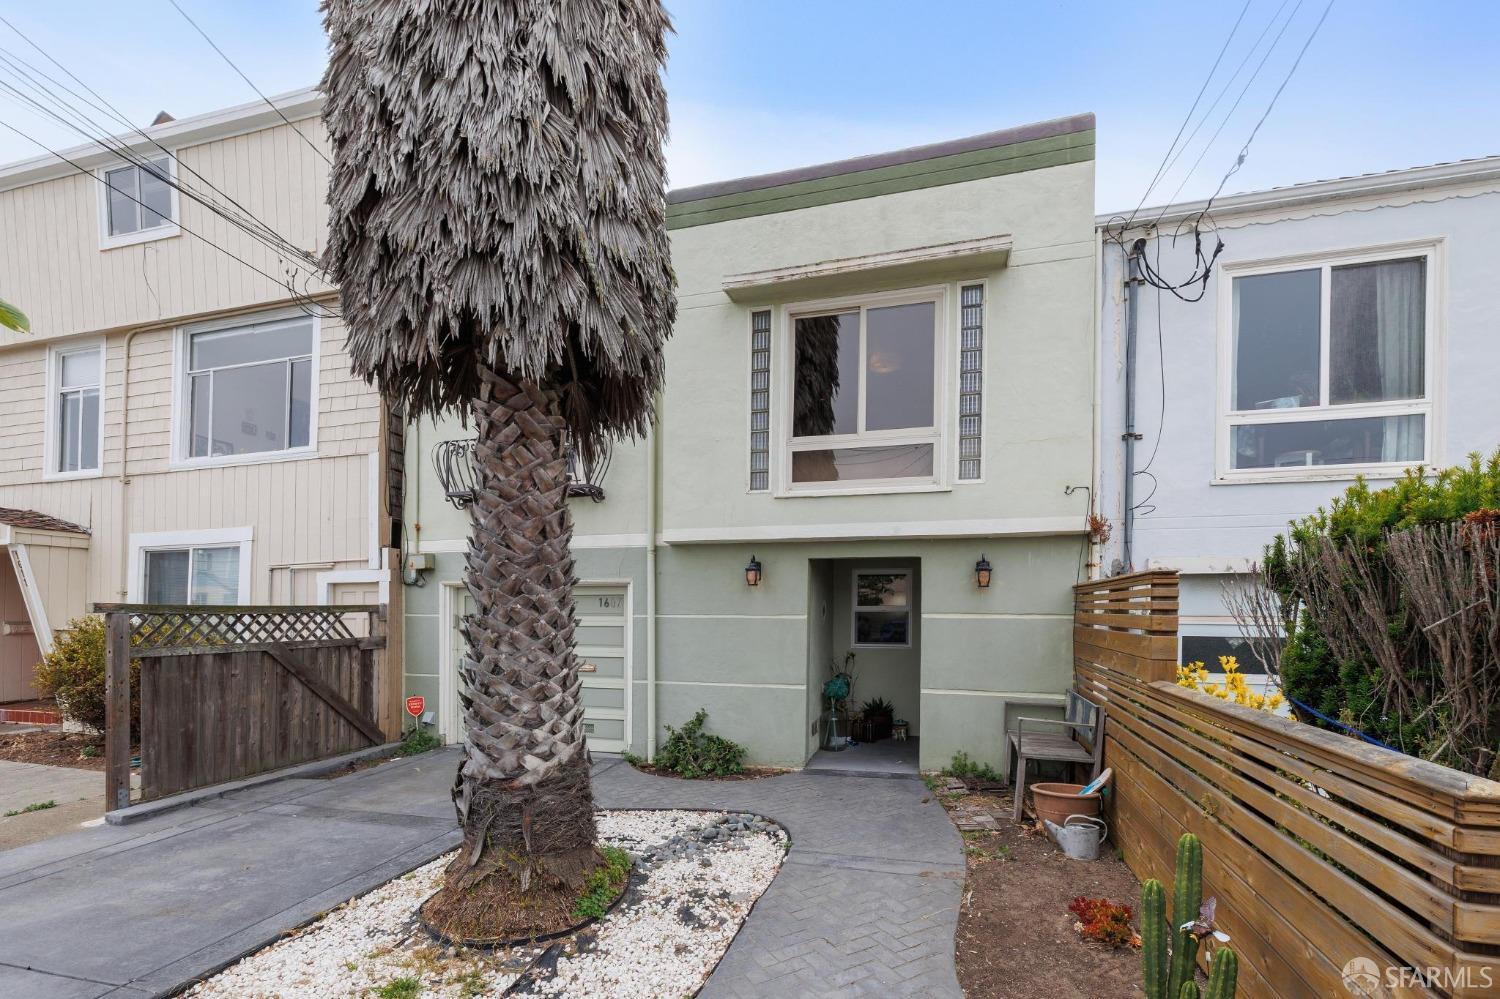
(760,401)
(970,382)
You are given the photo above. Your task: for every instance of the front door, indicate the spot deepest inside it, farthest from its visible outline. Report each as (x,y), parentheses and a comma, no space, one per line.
(603,654)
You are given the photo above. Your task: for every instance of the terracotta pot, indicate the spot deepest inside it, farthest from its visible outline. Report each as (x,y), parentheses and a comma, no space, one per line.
(1055,802)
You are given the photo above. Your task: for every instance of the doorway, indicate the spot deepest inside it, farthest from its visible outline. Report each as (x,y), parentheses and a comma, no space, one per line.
(866,612)
(19,650)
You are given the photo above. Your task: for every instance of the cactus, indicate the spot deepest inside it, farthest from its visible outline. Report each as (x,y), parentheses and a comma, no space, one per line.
(1154,939)
(1187,895)
(1169,975)
(1226,967)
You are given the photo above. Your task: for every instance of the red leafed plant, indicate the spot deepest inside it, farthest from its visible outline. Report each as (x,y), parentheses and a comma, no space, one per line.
(1102,920)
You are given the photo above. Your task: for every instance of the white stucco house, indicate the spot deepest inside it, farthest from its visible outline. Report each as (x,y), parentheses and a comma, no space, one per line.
(1348,327)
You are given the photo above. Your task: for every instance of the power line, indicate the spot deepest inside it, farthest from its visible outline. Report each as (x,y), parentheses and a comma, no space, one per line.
(275,243)
(1245,151)
(304,302)
(1162,166)
(310,144)
(110,110)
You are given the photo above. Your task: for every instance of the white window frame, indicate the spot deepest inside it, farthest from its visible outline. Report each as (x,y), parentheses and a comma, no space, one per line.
(1434,364)
(168,229)
(224,537)
(855,608)
(181,400)
(944,422)
(51,436)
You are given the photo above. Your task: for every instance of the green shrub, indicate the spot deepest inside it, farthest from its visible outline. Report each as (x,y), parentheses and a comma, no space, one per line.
(405,987)
(73,673)
(604,883)
(965,768)
(691,752)
(418,740)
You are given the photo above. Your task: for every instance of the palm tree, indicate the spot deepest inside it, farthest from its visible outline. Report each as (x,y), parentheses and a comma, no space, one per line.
(497,214)
(13,318)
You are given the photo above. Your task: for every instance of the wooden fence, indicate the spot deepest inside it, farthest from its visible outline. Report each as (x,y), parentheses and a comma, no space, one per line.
(228,692)
(1321,849)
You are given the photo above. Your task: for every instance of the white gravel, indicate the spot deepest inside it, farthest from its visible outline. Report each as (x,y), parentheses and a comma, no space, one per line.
(691,898)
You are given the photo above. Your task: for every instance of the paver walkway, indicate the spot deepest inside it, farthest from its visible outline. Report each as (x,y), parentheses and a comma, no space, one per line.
(866,903)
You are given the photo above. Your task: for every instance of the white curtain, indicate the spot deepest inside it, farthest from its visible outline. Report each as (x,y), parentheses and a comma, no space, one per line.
(1400,311)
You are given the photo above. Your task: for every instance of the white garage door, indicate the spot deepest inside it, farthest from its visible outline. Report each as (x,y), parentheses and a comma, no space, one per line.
(603,640)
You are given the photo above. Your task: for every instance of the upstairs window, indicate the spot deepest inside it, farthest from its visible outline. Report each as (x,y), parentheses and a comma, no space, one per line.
(1329,366)
(76,419)
(864,394)
(139,202)
(249,390)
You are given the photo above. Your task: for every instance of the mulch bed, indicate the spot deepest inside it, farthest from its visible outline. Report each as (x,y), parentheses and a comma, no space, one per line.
(55,749)
(749,773)
(1015,934)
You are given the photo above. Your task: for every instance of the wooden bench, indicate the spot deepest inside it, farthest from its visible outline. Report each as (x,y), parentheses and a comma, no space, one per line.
(1078,737)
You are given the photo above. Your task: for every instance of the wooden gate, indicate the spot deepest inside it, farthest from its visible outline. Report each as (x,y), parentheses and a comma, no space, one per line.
(229,692)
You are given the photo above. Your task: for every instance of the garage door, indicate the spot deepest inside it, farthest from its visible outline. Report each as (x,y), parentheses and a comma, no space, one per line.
(604,661)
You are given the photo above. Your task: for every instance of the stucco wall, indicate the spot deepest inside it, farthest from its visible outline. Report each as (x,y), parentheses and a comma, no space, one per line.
(1192,516)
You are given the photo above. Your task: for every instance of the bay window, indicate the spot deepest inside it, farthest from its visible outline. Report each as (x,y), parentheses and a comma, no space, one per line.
(864,394)
(1328,367)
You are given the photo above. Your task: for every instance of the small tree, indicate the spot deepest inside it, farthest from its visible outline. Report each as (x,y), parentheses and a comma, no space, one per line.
(74,672)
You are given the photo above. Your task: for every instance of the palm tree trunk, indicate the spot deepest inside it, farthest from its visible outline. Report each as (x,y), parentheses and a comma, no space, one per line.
(522,793)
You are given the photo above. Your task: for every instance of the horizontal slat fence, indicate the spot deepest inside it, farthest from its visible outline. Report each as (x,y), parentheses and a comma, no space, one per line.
(1320,848)
(229,692)
(1128,623)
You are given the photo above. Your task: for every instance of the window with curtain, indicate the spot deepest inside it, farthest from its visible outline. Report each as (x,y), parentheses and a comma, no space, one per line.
(249,389)
(1329,366)
(864,394)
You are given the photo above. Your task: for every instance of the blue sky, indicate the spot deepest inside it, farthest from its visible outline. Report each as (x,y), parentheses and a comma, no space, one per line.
(769,84)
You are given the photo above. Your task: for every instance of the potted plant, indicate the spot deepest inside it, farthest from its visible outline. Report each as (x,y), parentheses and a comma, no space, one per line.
(879,715)
(836,690)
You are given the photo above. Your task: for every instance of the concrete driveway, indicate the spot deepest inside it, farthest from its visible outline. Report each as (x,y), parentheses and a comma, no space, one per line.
(79,795)
(866,903)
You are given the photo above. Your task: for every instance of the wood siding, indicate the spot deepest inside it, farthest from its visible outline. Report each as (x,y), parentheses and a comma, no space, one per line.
(307,515)
(1319,848)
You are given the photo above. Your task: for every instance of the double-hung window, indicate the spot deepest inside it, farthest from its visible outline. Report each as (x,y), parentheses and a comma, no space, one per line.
(248,391)
(76,377)
(139,202)
(1329,369)
(864,394)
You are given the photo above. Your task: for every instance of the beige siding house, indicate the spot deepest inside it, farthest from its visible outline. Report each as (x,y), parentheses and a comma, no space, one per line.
(183,415)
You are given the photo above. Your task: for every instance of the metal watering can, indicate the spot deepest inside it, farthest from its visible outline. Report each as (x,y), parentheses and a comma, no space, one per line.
(1079,836)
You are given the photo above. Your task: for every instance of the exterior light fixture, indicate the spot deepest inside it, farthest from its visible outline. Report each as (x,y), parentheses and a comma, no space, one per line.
(982,571)
(752,572)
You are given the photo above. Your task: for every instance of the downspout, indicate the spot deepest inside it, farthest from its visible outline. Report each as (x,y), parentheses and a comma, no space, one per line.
(1133,282)
(653,443)
(124,590)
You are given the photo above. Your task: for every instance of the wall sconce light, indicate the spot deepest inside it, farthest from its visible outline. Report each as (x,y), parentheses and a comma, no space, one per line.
(752,572)
(982,570)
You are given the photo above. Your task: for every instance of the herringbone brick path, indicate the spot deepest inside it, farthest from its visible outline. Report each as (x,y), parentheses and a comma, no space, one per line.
(867,901)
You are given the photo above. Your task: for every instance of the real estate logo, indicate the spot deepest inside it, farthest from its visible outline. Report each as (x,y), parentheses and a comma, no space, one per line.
(1362,976)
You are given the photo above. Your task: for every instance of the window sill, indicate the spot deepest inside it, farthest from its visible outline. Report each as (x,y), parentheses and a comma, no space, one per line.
(881,490)
(1342,473)
(869,647)
(92,473)
(143,236)
(257,458)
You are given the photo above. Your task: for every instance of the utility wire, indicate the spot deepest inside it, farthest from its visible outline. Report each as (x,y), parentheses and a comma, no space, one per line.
(1163,165)
(306,303)
(310,144)
(278,246)
(105,107)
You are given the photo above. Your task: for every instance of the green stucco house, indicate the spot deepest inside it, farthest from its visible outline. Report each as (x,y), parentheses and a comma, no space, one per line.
(882,373)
